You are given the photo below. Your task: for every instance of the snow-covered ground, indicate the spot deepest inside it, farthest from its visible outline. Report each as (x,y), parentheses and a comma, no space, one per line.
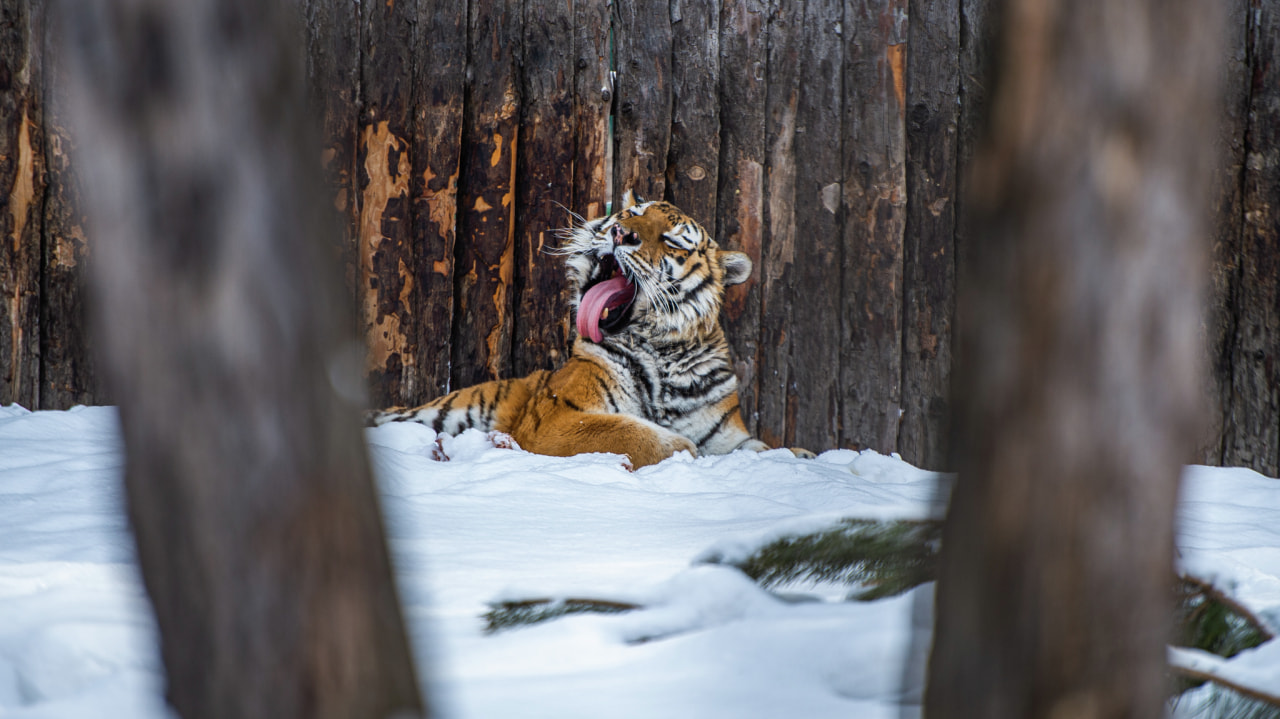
(77,638)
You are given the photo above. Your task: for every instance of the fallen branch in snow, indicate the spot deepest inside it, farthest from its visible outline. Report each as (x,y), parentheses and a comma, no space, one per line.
(1253,693)
(1193,587)
(525,612)
(885,558)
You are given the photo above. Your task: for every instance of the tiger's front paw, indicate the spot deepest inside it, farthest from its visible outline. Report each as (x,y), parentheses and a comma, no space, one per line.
(802,453)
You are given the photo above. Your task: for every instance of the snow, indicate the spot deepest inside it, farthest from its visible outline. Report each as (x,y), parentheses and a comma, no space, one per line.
(491,524)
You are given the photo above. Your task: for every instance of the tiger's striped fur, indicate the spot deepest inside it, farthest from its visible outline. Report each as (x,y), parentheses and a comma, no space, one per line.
(659,381)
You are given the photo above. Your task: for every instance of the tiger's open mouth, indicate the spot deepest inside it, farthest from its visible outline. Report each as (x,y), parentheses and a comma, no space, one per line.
(607,302)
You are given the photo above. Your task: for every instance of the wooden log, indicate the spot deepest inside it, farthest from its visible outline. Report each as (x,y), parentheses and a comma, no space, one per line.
(1253,438)
(226,340)
(816,301)
(592,102)
(776,406)
(388,285)
(333,94)
(929,239)
(544,188)
(642,121)
(740,197)
(22,185)
(875,198)
(977,52)
(440,83)
(693,157)
(1078,367)
(67,373)
(483,294)
(1228,213)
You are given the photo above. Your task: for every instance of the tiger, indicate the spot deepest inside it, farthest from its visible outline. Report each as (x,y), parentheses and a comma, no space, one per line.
(649,374)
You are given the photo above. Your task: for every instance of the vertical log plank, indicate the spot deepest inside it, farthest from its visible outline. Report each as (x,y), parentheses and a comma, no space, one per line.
(67,374)
(333,94)
(1254,437)
(776,405)
(486,225)
(440,82)
(1228,213)
(875,200)
(693,158)
(815,306)
(642,123)
(977,47)
(744,61)
(592,100)
(387,281)
(22,185)
(544,187)
(933,58)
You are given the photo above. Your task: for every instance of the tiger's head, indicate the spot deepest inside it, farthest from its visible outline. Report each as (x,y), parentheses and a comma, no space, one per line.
(651,269)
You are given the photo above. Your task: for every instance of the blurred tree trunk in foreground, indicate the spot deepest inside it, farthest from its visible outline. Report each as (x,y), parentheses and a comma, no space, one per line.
(1078,383)
(229,349)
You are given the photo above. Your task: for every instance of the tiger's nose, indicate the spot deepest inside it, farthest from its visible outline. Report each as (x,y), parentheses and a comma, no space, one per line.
(621,236)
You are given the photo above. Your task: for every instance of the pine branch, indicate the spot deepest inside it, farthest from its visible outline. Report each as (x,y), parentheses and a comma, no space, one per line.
(527,612)
(886,558)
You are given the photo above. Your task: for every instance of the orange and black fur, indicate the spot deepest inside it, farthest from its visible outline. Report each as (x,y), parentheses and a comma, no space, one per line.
(650,373)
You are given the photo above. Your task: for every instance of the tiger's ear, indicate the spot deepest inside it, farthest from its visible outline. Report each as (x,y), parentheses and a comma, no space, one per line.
(629,199)
(737,267)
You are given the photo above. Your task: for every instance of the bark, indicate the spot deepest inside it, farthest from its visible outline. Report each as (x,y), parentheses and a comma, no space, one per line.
(1228,213)
(389,290)
(744,61)
(777,273)
(1254,437)
(875,198)
(544,187)
(933,50)
(22,185)
(642,119)
(1079,381)
(815,306)
(483,293)
(693,156)
(67,372)
(593,98)
(333,94)
(227,342)
(440,81)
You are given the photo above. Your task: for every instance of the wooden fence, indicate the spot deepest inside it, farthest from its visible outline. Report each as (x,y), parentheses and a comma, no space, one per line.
(825,138)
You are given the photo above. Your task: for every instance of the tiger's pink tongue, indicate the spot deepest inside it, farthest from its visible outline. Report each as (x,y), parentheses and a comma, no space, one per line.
(608,295)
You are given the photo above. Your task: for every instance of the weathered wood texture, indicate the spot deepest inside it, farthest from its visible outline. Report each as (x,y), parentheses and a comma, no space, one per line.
(744,62)
(827,140)
(1253,437)
(775,407)
(642,120)
(440,81)
(1224,279)
(225,336)
(875,206)
(1078,376)
(22,185)
(543,187)
(483,293)
(814,311)
(67,375)
(388,287)
(929,281)
(693,159)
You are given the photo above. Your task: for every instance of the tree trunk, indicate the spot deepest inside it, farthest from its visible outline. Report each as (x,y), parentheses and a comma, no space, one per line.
(226,340)
(1080,359)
